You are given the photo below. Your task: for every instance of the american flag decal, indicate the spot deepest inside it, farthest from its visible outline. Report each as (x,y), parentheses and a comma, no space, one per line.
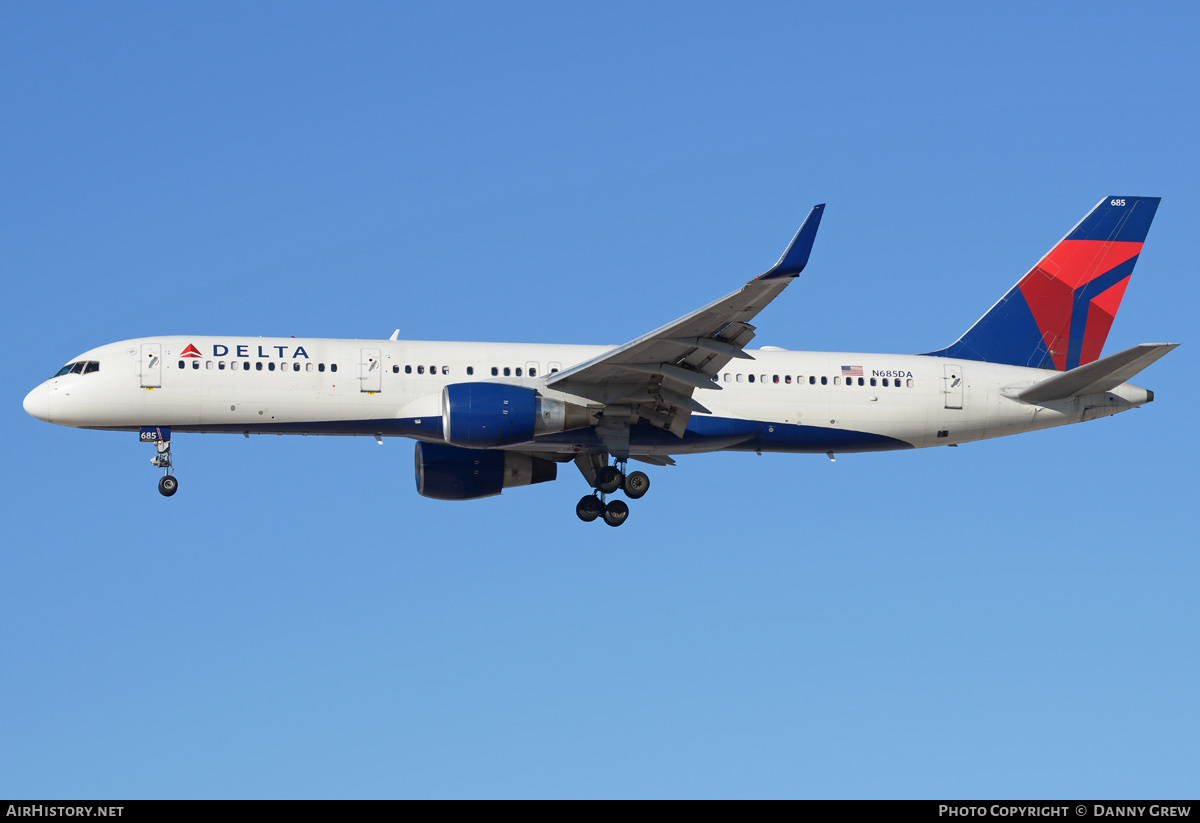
(852,371)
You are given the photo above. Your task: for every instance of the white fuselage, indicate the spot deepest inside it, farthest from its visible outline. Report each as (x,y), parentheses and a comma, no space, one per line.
(778,401)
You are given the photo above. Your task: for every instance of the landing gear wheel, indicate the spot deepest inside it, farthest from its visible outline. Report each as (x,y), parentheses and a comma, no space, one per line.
(636,485)
(168,485)
(609,479)
(589,508)
(616,513)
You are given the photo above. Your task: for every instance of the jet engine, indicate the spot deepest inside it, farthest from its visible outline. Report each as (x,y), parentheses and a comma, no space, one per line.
(484,415)
(450,473)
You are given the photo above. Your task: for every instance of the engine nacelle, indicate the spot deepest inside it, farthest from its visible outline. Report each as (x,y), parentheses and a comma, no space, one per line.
(485,415)
(450,473)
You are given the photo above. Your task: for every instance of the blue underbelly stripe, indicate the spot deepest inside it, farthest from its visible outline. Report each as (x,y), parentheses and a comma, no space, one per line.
(721,432)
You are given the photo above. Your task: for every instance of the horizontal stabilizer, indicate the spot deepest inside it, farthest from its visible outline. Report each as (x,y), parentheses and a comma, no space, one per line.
(1100,376)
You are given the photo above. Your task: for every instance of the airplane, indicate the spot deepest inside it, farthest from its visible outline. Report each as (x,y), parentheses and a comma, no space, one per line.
(492,416)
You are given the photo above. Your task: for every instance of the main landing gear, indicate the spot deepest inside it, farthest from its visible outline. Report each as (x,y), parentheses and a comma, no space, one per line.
(607,481)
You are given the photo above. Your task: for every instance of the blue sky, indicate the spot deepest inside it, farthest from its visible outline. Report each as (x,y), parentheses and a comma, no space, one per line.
(1014,618)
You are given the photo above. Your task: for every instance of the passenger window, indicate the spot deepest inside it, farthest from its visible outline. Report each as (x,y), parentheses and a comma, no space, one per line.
(233,365)
(739,378)
(824,381)
(395,369)
(65,368)
(507,371)
(787,378)
(220,365)
(195,364)
(295,367)
(553,371)
(433,369)
(909,382)
(860,381)
(764,378)
(750,377)
(258,365)
(518,372)
(271,366)
(470,370)
(812,379)
(495,371)
(726,377)
(420,369)
(333,366)
(885,383)
(320,367)
(533,372)
(837,381)
(774,378)
(408,369)
(445,369)
(208,365)
(308,367)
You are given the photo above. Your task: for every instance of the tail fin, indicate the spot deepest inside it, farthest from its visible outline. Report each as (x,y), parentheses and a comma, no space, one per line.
(1059,315)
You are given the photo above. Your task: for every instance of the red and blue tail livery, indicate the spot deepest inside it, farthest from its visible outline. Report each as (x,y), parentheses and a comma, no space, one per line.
(1059,315)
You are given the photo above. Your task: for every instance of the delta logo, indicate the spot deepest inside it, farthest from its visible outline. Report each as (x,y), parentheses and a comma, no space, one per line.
(221,350)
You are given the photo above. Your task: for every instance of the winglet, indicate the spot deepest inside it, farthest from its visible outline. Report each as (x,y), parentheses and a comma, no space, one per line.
(795,258)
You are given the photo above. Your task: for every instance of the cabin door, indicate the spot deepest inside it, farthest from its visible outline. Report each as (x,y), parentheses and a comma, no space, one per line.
(954,387)
(151,365)
(370,371)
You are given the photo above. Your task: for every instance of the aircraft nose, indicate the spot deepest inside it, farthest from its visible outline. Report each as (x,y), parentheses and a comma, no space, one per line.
(37,403)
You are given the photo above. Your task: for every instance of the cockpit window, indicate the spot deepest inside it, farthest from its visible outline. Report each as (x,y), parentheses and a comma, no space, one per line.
(79,367)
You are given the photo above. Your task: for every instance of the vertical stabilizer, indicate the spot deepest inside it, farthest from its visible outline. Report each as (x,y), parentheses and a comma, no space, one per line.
(1059,314)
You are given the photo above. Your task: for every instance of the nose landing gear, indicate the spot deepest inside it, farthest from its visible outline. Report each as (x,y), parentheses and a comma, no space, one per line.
(168,484)
(161,438)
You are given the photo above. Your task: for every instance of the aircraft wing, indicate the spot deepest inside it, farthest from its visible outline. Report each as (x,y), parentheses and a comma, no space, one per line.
(654,377)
